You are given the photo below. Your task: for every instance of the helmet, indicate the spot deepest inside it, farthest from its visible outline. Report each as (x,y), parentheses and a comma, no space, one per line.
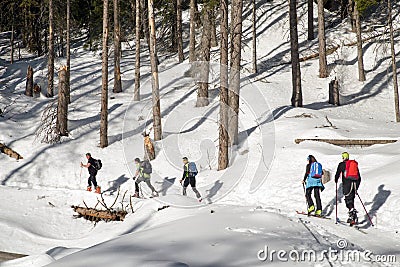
(345,155)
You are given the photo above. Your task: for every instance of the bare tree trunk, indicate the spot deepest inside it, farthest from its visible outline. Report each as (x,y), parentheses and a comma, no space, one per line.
(334,92)
(174,18)
(154,71)
(104,81)
(213,28)
(136,96)
(234,78)
(50,66)
(12,44)
(117,50)
(29,82)
(323,66)
(223,153)
(62,109)
(297,98)
(61,44)
(361,71)
(310,9)
(204,57)
(254,37)
(192,37)
(179,29)
(394,67)
(68,47)
(351,12)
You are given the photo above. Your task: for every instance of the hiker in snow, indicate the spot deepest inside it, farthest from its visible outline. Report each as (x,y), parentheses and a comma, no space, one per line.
(351,180)
(189,177)
(312,180)
(143,174)
(91,166)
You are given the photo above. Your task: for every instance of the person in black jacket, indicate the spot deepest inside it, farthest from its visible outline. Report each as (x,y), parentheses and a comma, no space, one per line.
(350,187)
(92,173)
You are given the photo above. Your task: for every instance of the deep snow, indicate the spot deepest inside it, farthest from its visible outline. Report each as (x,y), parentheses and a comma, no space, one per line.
(37,192)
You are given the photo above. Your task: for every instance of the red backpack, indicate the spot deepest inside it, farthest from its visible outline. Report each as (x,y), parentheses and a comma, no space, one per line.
(351,171)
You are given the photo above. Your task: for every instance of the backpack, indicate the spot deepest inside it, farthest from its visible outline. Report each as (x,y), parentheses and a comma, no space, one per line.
(97,164)
(146,167)
(351,171)
(316,170)
(192,168)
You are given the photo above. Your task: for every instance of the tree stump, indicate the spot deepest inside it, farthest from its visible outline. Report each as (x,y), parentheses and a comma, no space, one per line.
(334,92)
(29,82)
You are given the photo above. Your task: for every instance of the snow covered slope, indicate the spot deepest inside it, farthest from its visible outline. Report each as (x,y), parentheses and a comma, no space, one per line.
(267,168)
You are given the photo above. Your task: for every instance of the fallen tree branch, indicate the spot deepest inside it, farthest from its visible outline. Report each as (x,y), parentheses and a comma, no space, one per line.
(9,152)
(347,142)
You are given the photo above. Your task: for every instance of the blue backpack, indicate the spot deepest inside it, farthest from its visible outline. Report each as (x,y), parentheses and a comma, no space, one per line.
(192,168)
(316,170)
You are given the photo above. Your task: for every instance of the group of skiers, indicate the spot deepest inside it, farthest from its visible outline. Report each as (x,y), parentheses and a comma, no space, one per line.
(349,172)
(143,174)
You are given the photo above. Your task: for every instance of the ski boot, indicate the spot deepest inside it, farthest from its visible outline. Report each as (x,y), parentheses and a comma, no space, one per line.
(353,219)
(89,189)
(155,194)
(310,209)
(318,213)
(98,190)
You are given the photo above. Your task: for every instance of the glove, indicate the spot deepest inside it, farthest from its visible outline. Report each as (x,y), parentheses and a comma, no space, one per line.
(134,178)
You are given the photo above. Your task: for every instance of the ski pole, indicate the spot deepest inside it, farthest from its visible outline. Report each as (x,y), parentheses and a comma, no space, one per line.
(305,195)
(80,176)
(369,218)
(336,206)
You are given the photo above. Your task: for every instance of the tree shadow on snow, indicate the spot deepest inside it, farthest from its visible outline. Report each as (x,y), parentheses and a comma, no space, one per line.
(166,184)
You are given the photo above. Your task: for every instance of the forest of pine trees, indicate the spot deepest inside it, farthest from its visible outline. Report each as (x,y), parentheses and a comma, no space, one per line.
(49,27)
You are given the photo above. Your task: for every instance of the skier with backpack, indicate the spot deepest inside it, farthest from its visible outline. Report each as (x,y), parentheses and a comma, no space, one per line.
(351,179)
(143,174)
(93,166)
(312,180)
(189,177)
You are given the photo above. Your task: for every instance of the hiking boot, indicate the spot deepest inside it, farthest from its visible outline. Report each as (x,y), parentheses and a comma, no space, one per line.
(136,195)
(89,189)
(155,194)
(98,190)
(200,199)
(353,219)
(311,209)
(318,213)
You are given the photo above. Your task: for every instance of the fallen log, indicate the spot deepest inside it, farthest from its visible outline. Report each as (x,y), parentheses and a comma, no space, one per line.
(9,152)
(96,215)
(347,142)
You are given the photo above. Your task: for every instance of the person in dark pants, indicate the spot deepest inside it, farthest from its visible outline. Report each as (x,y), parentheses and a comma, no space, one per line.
(351,183)
(189,177)
(143,174)
(313,183)
(92,173)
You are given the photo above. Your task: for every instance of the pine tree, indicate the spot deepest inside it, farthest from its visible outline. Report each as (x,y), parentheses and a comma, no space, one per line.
(323,66)
(297,98)
(50,66)
(136,96)
(104,87)
(117,49)
(394,67)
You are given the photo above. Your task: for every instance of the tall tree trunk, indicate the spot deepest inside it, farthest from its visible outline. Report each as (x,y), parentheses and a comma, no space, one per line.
(213,28)
(192,37)
(361,71)
(223,152)
(254,37)
(352,15)
(323,66)
(29,82)
(179,29)
(145,20)
(204,63)
(136,96)
(154,71)
(117,50)
(12,43)
(394,67)
(61,44)
(62,108)
(68,48)
(234,78)
(297,98)
(310,9)
(104,81)
(174,24)
(50,66)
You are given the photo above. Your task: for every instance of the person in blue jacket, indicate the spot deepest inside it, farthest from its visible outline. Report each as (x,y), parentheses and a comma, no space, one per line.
(312,180)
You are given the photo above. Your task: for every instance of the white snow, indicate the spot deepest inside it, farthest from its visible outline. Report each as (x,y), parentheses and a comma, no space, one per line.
(247,207)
